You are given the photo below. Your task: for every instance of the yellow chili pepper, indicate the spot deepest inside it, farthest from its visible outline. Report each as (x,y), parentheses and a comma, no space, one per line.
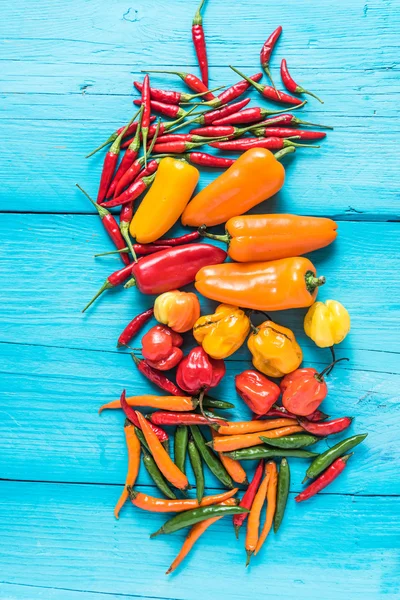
(327,323)
(223,332)
(275,349)
(178,310)
(166,200)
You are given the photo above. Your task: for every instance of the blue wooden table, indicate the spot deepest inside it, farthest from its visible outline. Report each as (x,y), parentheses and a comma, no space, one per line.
(66,73)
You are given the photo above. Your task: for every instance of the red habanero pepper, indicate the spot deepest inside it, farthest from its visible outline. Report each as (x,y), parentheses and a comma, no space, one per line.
(134,327)
(130,414)
(289,119)
(133,191)
(115,279)
(280,411)
(161,348)
(253,115)
(324,479)
(168,96)
(199,43)
(146,103)
(269,92)
(193,82)
(157,378)
(181,146)
(125,217)
(248,497)
(287,132)
(177,418)
(234,91)
(327,427)
(304,390)
(290,83)
(110,225)
(266,52)
(272,143)
(173,268)
(257,391)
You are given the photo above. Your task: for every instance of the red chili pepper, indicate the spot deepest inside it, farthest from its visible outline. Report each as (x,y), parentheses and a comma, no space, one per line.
(170,97)
(133,191)
(208,160)
(252,115)
(173,418)
(169,110)
(257,391)
(161,348)
(193,82)
(125,217)
(175,137)
(115,279)
(223,130)
(130,414)
(327,427)
(110,225)
(234,91)
(151,168)
(162,244)
(266,52)
(279,411)
(199,42)
(146,103)
(134,327)
(249,495)
(286,132)
(272,143)
(129,176)
(130,131)
(269,92)
(324,479)
(290,83)
(179,147)
(211,116)
(142,249)
(173,268)
(183,239)
(289,119)
(156,377)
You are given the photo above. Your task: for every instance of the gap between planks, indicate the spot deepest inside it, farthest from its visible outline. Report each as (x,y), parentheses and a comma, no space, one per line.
(63,589)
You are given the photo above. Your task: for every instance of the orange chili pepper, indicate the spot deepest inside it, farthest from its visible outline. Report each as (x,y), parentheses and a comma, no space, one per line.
(161,505)
(271,504)
(242,427)
(133,446)
(252,238)
(173,403)
(233,466)
(254,177)
(228,443)
(163,460)
(193,535)
(253,522)
(275,285)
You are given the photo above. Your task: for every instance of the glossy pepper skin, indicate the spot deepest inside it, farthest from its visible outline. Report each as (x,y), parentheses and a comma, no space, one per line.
(223,332)
(258,392)
(198,372)
(178,310)
(161,348)
(274,285)
(254,177)
(303,391)
(274,349)
(327,323)
(165,201)
(252,238)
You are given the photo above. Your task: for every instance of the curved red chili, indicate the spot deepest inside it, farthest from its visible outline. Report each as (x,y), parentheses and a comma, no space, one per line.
(234,91)
(117,278)
(326,427)
(133,191)
(286,132)
(169,96)
(289,119)
(199,42)
(290,83)
(162,243)
(272,143)
(337,467)
(173,418)
(157,377)
(168,110)
(145,114)
(208,160)
(253,115)
(279,411)
(130,414)
(266,52)
(183,239)
(193,82)
(179,147)
(134,327)
(125,217)
(151,168)
(130,131)
(248,497)
(219,113)
(269,92)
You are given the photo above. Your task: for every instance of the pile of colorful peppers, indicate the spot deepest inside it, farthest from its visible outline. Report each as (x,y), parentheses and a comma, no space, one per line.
(267,273)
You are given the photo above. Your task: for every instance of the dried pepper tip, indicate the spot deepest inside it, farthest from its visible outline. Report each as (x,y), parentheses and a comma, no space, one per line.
(106,286)
(237,529)
(249,555)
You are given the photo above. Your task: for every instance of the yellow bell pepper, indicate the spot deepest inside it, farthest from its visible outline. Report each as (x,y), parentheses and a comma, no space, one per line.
(222,333)
(178,310)
(275,349)
(327,323)
(166,200)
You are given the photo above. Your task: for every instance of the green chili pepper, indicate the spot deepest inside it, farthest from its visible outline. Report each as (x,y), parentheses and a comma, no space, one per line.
(197,466)
(211,460)
(191,517)
(156,475)
(180,446)
(325,459)
(258,452)
(283,492)
(141,438)
(292,441)
(209,402)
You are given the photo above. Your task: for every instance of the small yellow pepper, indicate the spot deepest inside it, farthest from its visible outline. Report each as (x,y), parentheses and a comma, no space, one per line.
(327,323)
(222,333)
(165,201)
(275,349)
(178,310)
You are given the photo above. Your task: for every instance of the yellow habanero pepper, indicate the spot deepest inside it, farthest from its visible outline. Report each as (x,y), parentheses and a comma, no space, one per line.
(166,200)
(327,323)
(275,349)
(222,333)
(178,310)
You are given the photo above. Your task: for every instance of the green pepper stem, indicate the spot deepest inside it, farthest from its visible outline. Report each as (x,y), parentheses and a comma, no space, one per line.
(110,140)
(328,369)
(124,228)
(281,153)
(219,238)
(300,122)
(268,73)
(197,19)
(130,283)
(120,251)
(313,282)
(288,142)
(249,554)
(100,209)
(301,90)
(253,83)
(116,145)
(181,74)
(106,286)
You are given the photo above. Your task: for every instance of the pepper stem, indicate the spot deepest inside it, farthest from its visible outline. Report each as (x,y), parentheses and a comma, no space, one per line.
(135,143)
(130,283)
(110,140)
(313,282)
(253,83)
(268,73)
(281,153)
(328,369)
(300,122)
(288,142)
(124,228)
(219,238)
(249,554)
(120,251)
(100,209)
(180,74)
(197,19)
(301,90)
(106,286)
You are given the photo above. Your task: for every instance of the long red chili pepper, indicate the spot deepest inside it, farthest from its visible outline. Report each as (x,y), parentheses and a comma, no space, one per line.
(272,143)
(247,500)
(199,42)
(125,217)
(289,119)
(286,132)
(115,279)
(146,103)
(170,96)
(151,168)
(324,479)
(266,52)
(326,427)
(130,414)
(208,160)
(210,116)
(110,225)
(234,91)
(168,110)
(269,92)
(279,411)
(164,127)
(290,83)
(133,192)
(134,327)
(162,243)
(130,131)
(193,82)
(157,377)
(225,130)
(252,115)
(180,146)
(177,418)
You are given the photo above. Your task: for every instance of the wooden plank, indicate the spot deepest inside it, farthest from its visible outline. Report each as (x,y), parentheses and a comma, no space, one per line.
(65,536)
(26,591)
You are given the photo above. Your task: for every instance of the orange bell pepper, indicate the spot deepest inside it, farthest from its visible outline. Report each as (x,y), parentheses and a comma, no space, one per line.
(178,310)
(165,201)
(275,285)
(254,177)
(252,238)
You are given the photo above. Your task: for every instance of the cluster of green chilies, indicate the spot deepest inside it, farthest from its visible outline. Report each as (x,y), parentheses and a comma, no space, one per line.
(224,122)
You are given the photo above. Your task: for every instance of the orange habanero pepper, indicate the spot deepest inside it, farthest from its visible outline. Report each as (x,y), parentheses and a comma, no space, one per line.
(275,285)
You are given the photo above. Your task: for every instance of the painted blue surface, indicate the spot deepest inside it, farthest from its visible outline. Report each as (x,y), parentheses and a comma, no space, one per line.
(65,84)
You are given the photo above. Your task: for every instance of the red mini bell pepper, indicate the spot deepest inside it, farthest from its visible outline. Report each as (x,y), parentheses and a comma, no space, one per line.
(257,391)
(161,347)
